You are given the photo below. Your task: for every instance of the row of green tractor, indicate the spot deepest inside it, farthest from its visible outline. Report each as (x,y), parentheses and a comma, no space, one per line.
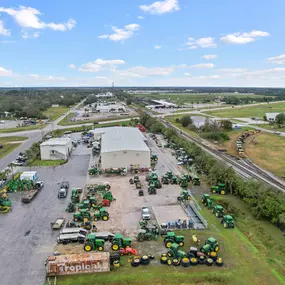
(118,242)
(16,185)
(108,171)
(218,211)
(153,182)
(146,232)
(5,203)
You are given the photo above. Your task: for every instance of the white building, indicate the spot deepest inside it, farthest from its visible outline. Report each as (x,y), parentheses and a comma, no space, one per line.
(271,117)
(122,147)
(111,108)
(105,95)
(56,149)
(161,104)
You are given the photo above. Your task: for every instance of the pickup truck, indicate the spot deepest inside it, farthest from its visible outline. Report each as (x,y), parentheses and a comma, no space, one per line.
(30,196)
(59,222)
(62,192)
(145,213)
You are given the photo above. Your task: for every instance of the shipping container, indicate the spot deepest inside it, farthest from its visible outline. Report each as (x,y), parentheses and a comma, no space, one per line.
(78,263)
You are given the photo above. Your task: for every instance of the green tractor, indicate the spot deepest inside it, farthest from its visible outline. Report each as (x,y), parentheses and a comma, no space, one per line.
(175,252)
(228,221)
(92,243)
(75,196)
(151,189)
(70,208)
(171,238)
(146,235)
(218,211)
(184,196)
(211,245)
(94,171)
(101,214)
(154,157)
(196,181)
(164,180)
(81,215)
(220,189)
(207,201)
(85,205)
(5,203)
(119,242)
(183,182)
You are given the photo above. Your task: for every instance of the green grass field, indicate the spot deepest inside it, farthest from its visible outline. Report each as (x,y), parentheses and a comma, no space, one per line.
(54,113)
(22,129)
(248,112)
(8,147)
(253,253)
(39,162)
(181,98)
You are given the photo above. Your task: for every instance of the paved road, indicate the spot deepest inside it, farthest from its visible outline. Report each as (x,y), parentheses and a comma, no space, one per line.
(25,233)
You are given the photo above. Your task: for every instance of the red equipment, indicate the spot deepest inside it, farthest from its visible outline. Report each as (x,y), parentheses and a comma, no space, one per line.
(128,251)
(141,128)
(106,203)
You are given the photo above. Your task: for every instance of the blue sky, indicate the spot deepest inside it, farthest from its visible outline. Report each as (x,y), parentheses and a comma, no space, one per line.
(142,43)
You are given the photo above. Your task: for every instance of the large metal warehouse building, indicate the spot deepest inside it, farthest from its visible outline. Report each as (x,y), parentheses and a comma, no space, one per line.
(122,147)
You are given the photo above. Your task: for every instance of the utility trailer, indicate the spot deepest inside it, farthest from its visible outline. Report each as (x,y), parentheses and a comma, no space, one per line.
(30,196)
(58,224)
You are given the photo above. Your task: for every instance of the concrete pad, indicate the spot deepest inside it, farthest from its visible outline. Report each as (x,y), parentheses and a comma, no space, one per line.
(165,214)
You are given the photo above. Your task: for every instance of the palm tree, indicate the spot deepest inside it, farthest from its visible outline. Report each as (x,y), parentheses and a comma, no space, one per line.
(11,165)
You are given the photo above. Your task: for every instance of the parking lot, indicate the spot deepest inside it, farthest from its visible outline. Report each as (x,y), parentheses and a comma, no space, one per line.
(25,233)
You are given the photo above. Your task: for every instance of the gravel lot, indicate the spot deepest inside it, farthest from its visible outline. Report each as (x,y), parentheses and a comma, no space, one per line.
(25,233)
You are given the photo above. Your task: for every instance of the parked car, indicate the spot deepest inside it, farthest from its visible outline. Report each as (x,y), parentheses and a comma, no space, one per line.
(145,213)
(39,184)
(62,193)
(48,137)
(277,133)
(17,163)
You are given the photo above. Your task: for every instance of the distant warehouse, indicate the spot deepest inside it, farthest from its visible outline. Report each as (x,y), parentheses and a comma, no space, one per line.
(122,147)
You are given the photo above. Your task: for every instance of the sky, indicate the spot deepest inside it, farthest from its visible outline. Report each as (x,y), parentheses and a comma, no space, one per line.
(142,43)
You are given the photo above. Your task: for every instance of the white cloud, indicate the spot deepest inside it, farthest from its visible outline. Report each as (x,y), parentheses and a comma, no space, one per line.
(243,38)
(101,64)
(3,30)
(187,74)
(121,34)
(199,65)
(157,47)
(72,66)
(207,77)
(142,71)
(28,17)
(101,77)
(229,70)
(140,17)
(161,7)
(209,56)
(5,72)
(201,42)
(46,78)
(277,59)
(26,35)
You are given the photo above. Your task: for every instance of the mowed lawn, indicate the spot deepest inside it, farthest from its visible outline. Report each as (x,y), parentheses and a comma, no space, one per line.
(54,113)
(248,112)
(9,144)
(253,253)
(267,151)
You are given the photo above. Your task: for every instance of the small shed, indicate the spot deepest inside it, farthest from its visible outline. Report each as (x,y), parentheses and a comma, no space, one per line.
(56,149)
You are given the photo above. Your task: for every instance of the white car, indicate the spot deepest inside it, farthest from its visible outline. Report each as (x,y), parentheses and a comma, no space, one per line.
(145,213)
(277,133)
(17,163)
(180,163)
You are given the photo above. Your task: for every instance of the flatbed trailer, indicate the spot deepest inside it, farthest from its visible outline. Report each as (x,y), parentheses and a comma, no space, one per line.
(30,196)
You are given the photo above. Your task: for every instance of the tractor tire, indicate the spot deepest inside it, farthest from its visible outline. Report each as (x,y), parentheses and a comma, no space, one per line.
(159,185)
(202,259)
(168,244)
(108,187)
(87,247)
(154,192)
(95,219)
(219,262)
(188,197)
(217,215)
(209,261)
(105,218)
(163,255)
(181,243)
(75,220)
(151,257)
(81,241)
(176,261)
(134,264)
(223,192)
(169,262)
(64,242)
(193,261)
(179,199)
(225,225)
(115,247)
(100,248)
(116,264)
(163,260)
(191,254)
(213,255)
(169,254)
(145,260)
(202,200)
(185,262)
(233,226)
(216,248)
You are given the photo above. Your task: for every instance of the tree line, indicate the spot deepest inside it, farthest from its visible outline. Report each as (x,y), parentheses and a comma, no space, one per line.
(264,201)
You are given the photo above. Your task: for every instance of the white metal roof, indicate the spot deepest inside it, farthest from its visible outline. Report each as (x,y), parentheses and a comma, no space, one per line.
(165,103)
(56,141)
(271,115)
(121,138)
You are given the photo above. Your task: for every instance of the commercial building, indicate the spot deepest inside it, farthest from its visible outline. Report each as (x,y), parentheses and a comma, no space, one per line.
(271,117)
(122,147)
(111,108)
(105,95)
(56,149)
(158,104)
